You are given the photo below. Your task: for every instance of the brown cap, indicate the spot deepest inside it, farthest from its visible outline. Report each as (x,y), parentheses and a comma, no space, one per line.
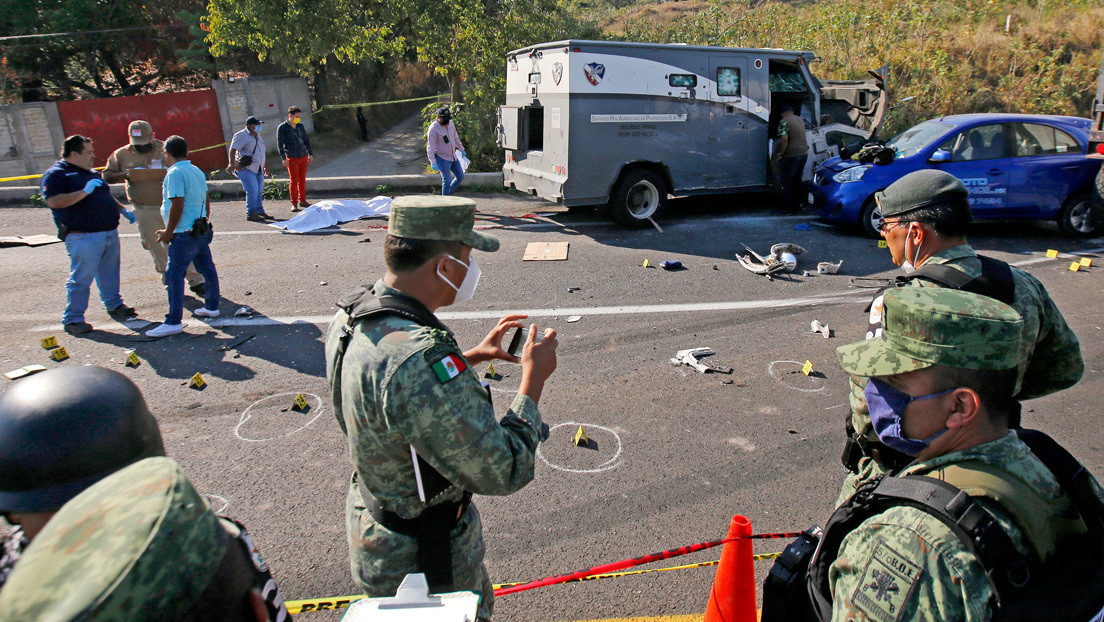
(140,133)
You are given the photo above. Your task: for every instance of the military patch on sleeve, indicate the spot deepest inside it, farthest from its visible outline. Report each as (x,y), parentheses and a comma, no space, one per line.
(449,367)
(886,584)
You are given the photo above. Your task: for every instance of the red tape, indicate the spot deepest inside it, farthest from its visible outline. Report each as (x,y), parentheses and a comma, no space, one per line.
(636,561)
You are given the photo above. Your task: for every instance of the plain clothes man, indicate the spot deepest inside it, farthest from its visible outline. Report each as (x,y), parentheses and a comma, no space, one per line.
(247,161)
(141,164)
(793,153)
(87,217)
(442,143)
(188,234)
(295,149)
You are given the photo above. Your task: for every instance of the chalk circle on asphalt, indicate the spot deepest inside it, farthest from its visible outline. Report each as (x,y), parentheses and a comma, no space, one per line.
(561,454)
(788,374)
(271,417)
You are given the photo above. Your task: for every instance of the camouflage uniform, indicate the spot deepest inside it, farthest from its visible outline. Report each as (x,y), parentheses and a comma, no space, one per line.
(388,398)
(905,564)
(140,544)
(11,549)
(1050,354)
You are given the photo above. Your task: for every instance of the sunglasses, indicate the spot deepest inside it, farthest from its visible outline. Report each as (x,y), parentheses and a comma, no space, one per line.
(886,227)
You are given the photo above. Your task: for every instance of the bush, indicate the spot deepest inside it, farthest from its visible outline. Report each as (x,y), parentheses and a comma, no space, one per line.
(275,189)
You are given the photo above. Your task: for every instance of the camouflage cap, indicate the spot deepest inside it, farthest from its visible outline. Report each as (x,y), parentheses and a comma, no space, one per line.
(920,189)
(925,326)
(140,544)
(433,217)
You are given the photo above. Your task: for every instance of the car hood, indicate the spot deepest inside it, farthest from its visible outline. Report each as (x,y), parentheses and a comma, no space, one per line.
(837,164)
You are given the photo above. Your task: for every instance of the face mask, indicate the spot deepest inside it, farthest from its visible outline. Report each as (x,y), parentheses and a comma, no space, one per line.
(910,266)
(887,405)
(294,121)
(466,290)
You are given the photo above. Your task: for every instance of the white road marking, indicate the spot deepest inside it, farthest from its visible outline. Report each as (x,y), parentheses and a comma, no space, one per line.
(605,466)
(690,307)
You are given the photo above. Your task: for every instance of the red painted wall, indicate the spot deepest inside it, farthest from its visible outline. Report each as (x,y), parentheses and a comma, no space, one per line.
(191,114)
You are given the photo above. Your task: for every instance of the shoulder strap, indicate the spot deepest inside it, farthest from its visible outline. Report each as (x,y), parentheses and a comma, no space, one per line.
(362,303)
(995,280)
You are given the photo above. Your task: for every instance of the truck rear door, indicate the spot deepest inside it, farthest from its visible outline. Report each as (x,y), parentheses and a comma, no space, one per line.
(731,159)
(511,130)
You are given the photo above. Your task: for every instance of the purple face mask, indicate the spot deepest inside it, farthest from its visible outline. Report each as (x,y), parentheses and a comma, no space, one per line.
(887,405)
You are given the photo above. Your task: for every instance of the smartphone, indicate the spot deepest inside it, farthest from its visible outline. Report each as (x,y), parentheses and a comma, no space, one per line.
(517,342)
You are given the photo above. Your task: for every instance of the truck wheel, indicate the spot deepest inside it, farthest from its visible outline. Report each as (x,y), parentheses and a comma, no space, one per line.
(1076,218)
(869,218)
(640,195)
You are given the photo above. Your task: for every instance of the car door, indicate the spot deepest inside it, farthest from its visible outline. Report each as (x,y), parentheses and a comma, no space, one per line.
(731,157)
(1047,167)
(980,158)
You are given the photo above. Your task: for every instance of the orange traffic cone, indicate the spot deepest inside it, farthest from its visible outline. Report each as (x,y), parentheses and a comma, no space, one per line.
(732,598)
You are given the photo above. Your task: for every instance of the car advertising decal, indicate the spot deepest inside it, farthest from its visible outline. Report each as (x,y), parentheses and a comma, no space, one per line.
(594,72)
(981,193)
(557,72)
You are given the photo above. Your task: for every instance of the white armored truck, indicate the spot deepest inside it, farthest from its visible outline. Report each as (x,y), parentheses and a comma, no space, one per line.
(627,124)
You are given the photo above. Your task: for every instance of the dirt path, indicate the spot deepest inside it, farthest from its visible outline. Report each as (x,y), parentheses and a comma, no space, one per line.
(398,151)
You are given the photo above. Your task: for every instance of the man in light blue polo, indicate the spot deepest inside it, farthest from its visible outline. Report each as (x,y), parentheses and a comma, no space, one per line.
(188,233)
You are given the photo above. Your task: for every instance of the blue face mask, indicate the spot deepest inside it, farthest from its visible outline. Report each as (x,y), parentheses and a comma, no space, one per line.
(887,405)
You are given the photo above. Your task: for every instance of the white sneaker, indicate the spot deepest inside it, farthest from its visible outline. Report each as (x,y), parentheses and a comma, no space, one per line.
(205,312)
(165,330)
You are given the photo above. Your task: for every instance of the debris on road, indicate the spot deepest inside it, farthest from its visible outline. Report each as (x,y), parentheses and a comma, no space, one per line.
(816,327)
(690,357)
(244,312)
(572,290)
(28,240)
(802,227)
(672,265)
(571,319)
(236,343)
(827,267)
(329,212)
(655,224)
(546,251)
(782,258)
(366,239)
(16,374)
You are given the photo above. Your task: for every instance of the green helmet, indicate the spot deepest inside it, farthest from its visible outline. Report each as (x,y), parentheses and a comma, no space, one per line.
(65,429)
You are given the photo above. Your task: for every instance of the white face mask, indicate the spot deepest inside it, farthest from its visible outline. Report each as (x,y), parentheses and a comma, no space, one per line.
(466,290)
(910,266)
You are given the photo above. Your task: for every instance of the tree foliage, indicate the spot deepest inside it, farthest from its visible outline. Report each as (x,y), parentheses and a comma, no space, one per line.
(134,55)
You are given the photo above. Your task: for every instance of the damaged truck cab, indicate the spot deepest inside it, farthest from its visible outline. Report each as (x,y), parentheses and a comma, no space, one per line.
(624,125)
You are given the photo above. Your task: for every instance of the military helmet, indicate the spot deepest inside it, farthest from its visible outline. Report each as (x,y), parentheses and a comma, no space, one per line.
(64,429)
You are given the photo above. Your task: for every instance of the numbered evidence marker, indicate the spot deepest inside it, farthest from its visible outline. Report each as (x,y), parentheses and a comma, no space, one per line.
(1075,266)
(1086,262)
(300,403)
(197,381)
(807,368)
(59,354)
(581,439)
(883,244)
(645,264)
(1051,253)
(50,342)
(132,359)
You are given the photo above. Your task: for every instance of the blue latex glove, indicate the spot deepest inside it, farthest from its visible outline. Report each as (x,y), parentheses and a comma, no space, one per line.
(92,185)
(465,154)
(433,165)
(129,215)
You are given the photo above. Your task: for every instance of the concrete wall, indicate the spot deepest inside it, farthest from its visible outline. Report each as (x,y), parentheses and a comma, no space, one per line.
(264,97)
(36,136)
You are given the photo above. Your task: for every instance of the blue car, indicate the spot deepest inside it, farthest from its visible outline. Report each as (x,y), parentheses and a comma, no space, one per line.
(1016,166)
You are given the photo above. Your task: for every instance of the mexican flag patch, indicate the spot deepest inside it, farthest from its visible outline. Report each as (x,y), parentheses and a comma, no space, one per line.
(449,367)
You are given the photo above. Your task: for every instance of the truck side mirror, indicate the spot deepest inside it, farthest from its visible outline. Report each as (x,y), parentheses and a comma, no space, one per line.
(940,155)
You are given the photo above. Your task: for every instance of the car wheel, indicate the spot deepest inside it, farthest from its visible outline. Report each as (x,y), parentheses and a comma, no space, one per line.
(1076,218)
(869,218)
(640,195)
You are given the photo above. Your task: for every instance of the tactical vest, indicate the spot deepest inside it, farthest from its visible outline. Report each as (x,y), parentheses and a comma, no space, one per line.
(431,528)
(1061,578)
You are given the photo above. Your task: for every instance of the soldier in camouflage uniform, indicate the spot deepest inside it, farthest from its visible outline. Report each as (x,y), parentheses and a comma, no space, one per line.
(407,398)
(942,379)
(43,464)
(925,215)
(141,544)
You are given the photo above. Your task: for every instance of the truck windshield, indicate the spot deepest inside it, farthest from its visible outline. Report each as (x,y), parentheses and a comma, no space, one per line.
(912,140)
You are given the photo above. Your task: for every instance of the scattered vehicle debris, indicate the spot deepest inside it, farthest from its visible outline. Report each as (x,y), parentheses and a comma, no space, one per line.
(236,343)
(690,357)
(816,327)
(827,267)
(672,265)
(782,258)
(245,312)
(573,318)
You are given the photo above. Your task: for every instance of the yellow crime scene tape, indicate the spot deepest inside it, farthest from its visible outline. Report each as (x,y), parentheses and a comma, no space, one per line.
(225,144)
(340,602)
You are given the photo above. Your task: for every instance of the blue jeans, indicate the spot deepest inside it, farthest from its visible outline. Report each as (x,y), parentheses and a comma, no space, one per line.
(91,256)
(185,250)
(448,169)
(253,183)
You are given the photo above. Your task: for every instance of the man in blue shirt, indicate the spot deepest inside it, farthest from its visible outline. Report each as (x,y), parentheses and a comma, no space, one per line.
(188,233)
(87,218)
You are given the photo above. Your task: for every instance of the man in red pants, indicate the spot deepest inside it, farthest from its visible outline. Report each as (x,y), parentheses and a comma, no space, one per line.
(295,150)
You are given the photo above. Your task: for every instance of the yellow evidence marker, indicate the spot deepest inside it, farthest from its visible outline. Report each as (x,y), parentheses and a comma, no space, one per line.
(645,264)
(50,342)
(491,369)
(300,402)
(132,359)
(581,439)
(1051,253)
(883,244)
(807,368)
(1075,266)
(59,354)
(1086,262)
(197,381)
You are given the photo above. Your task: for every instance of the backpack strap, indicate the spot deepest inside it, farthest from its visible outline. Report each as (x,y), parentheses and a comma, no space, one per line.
(995,280)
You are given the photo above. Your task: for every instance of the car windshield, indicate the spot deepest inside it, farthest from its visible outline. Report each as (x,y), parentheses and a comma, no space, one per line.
(912,140)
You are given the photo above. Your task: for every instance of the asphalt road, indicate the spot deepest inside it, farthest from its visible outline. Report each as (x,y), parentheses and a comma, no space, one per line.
(678,452)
